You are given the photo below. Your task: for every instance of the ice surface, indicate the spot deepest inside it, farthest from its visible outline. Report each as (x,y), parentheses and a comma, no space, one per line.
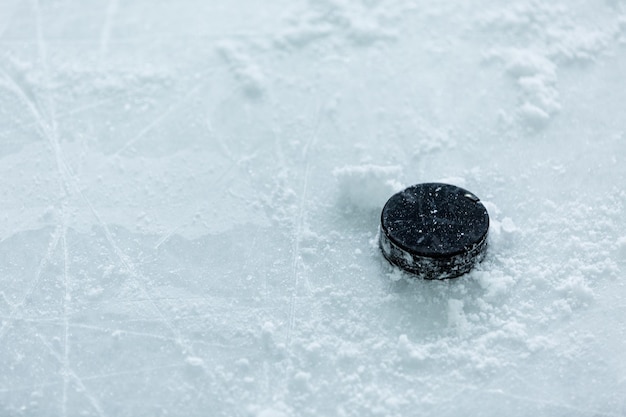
(191,192)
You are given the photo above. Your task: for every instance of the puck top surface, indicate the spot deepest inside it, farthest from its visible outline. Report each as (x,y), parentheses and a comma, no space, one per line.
(435,220)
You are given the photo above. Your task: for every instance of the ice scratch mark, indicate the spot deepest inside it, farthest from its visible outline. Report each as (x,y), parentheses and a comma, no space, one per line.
(583,411)
(71,184)
(28,101)
(159,118)
(105,33)
(66,301)
(165,238)
(220,141)
(133,372)
(33,285)
(79,382)
(139,371)
(295,265)
(20,126)
(27,387)
(113,331)
(7,11)
(33,320)
(51,133)
(138,279)
(299,224)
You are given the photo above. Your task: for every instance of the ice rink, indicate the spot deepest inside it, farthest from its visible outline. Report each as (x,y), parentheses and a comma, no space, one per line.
(191,190)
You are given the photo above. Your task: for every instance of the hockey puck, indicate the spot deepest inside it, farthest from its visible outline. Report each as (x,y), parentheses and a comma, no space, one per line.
(434,230)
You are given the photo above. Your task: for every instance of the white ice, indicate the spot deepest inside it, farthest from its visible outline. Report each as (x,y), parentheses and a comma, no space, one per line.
(190,193)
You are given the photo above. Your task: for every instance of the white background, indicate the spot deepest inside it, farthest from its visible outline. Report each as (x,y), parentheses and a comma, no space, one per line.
(190,193)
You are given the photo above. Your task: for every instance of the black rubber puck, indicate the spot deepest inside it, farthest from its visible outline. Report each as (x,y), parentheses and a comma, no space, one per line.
(434,230)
